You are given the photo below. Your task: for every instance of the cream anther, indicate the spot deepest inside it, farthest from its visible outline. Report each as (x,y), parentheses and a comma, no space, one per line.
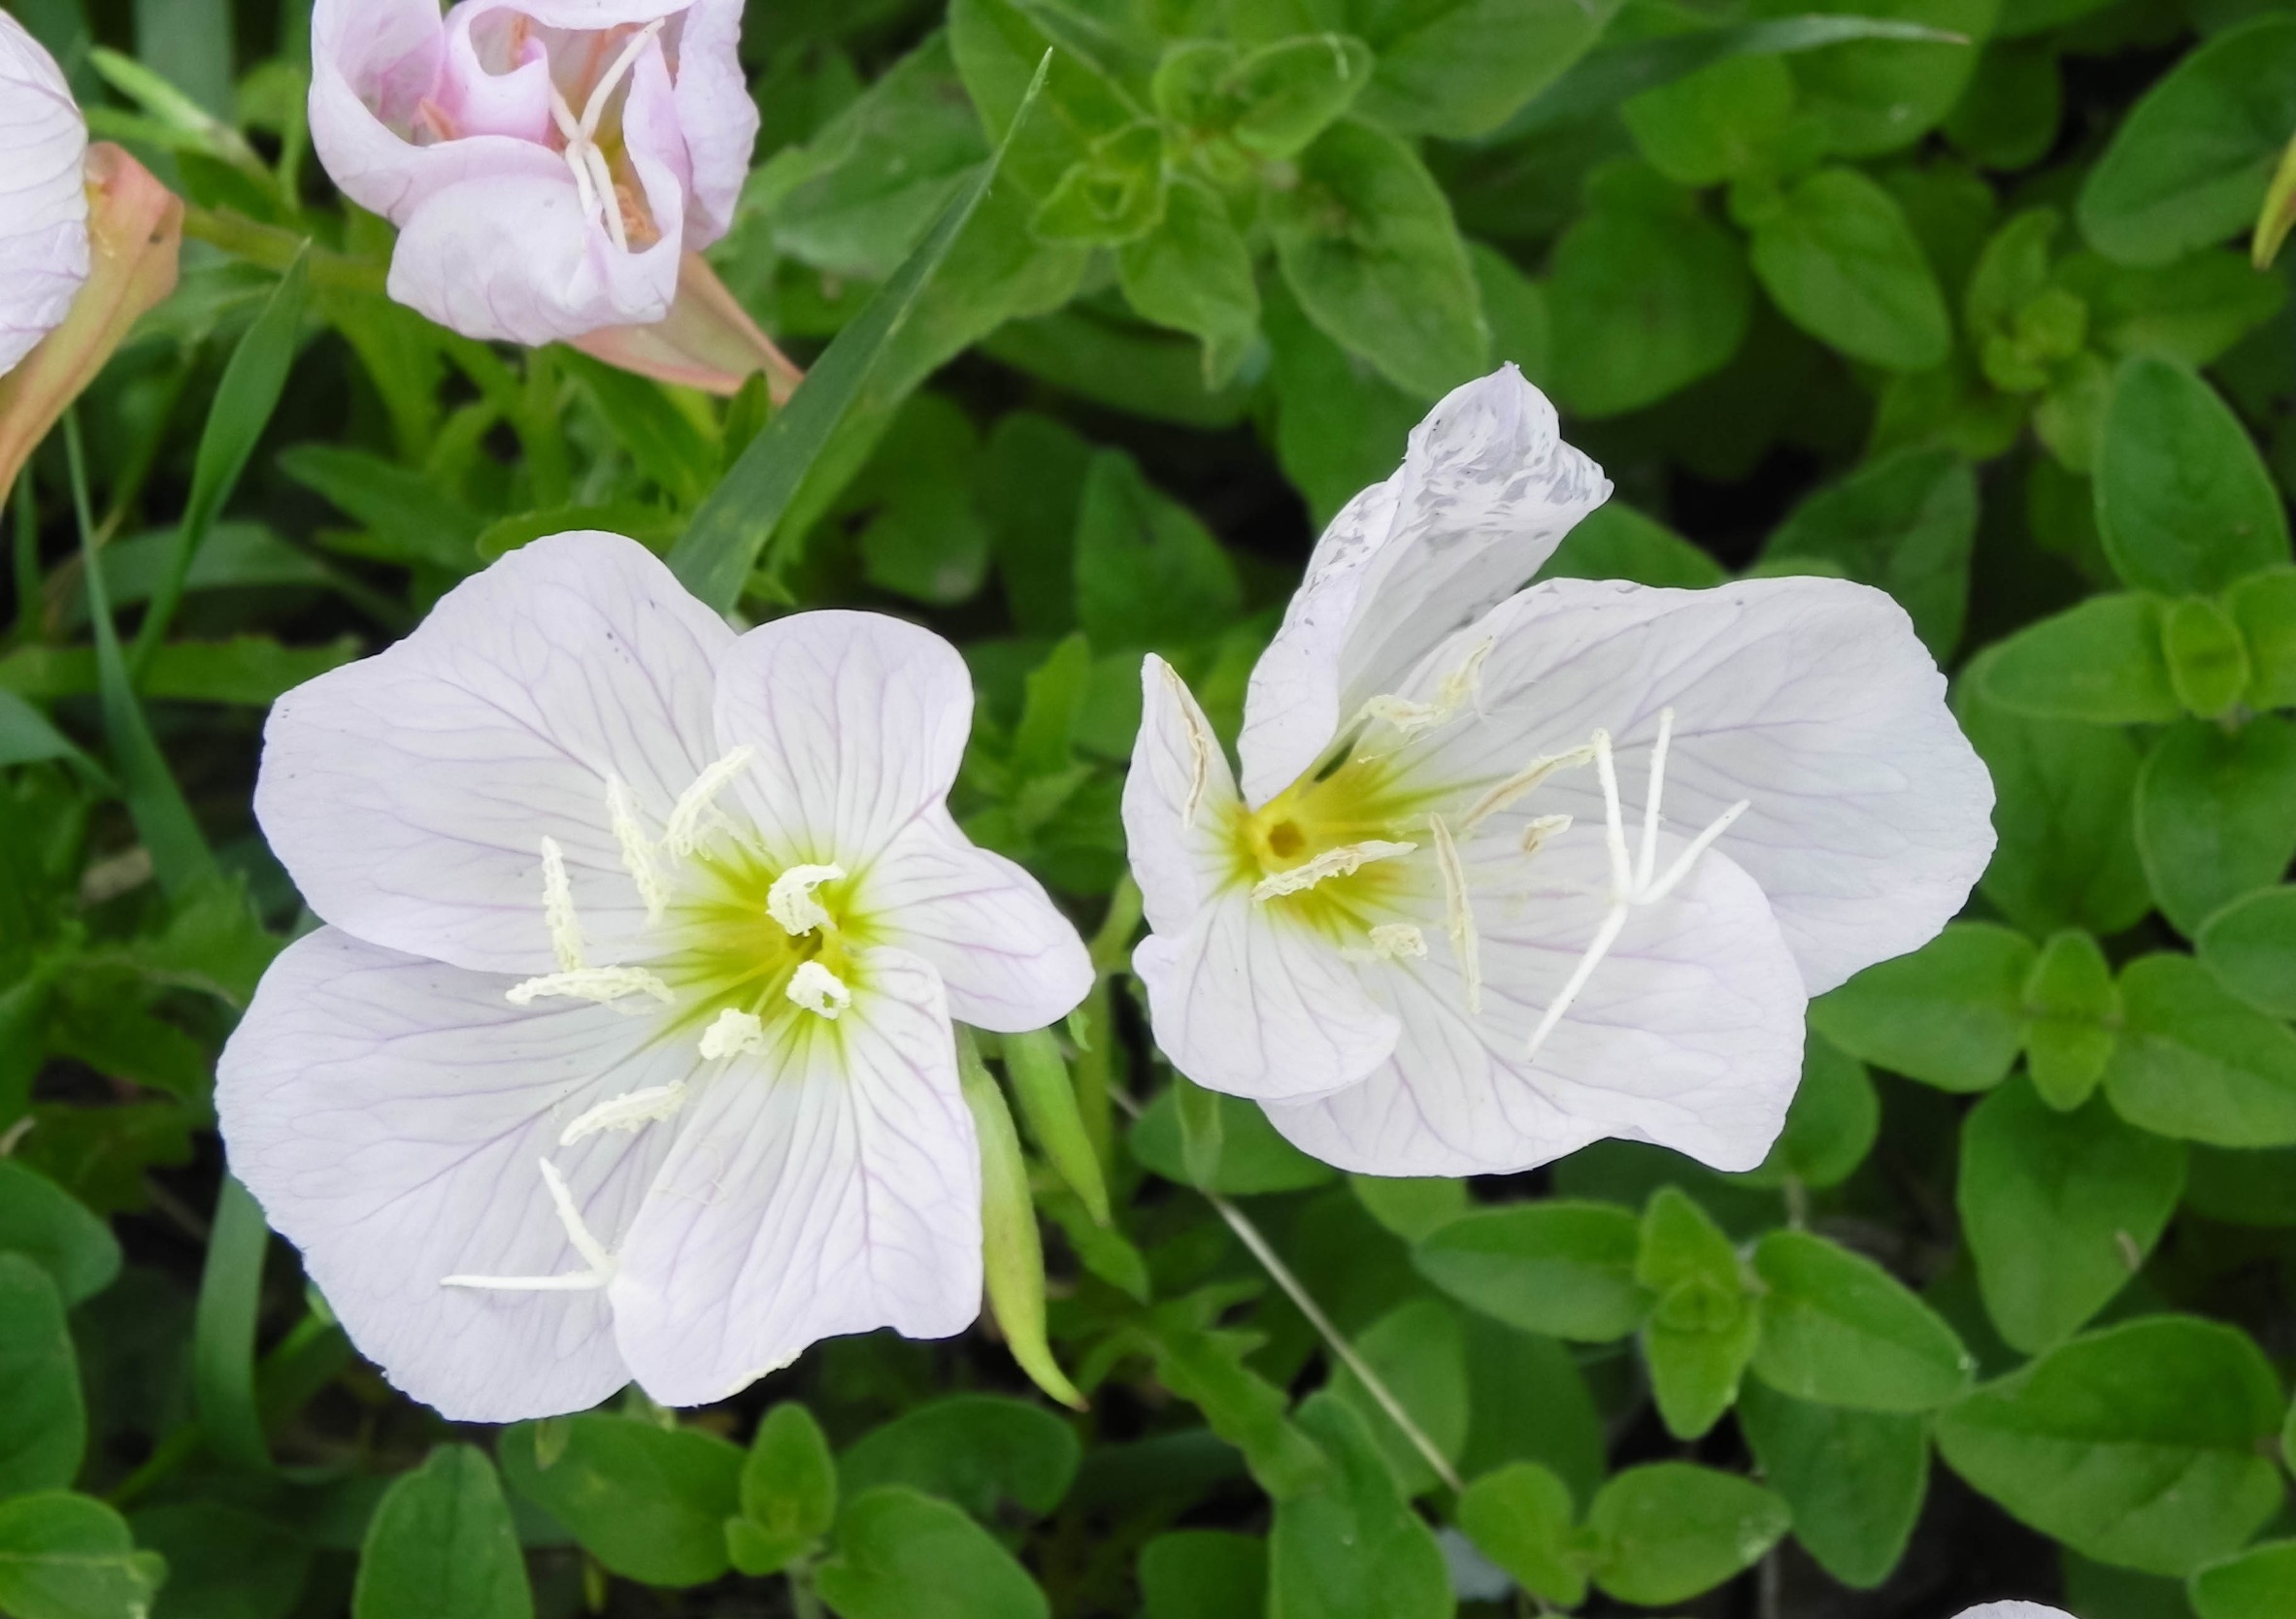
(818,990)
(629,1112)
(592,1251)
(557,907)
(637,849)
(732,1033)
(1391,941)
(1344,861)
(1199,748)
(684,834)
(601,984)
(790,901)
(1523,782)
(1633,882)
(1540,828)
(1466,944)
(1410,718)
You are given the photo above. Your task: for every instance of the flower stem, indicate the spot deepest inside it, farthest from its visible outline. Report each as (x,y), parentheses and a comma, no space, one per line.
(275,249)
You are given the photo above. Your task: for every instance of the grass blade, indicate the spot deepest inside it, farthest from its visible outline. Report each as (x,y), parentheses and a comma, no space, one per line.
(223,1330)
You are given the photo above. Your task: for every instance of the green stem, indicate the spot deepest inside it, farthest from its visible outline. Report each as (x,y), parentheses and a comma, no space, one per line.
(29,585)
(275,249)
(803,1602)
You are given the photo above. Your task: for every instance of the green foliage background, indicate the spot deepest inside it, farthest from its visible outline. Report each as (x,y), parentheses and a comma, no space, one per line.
(1942,295)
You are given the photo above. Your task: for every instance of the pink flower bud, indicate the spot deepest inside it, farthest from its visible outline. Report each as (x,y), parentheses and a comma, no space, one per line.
(548,162)
(43,199)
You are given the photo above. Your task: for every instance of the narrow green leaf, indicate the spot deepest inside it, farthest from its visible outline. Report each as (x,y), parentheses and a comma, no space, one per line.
(223,1330)
(1047,1099)
(1012,1250)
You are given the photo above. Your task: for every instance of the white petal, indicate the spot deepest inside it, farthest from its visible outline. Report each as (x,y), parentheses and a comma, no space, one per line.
(1486,492)
(2013,1610)
(1009,959)
(1249,1003)
(1179,803)
(43,194)
(408,793)
(858,722)
(1810,698)
(1688,1035)
(833,1186)
(391,1116)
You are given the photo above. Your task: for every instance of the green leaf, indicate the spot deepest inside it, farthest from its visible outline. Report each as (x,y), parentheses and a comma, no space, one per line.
(2249,947)
(226,1563)
(43,1424)
(1654,293)
(1830,1126)
(1368,247)
(1459,68)
(1530,1404)
(1409,1206)
(2190,310)
(244,403)
(52,1229)
(2059,1208)
(2101,663)
(1904,524)
(28,738)
(1615,542)
(2064,812)
(1252,1158)
(1204,1573)
(1668,1530)
(1714,124)
(442,1545)
(1337,419)
(650,1503)
(1854,1479)
(973,1449)
(1950,1014)
(1841,261)
(1206,1368)
(1272,100)
(900,1554)
(2265,609)
(2075,1019)
(1012,1251)
(1149,574)
(1193,272)
(2183,500)
(666,444)
(2196,1065)
(413,520)
(68,1556)
(1420,1352)
(2260,1583)
(223,1330)
(1839,1329)
(714,556)
(788,1492)
(2216,814)
(2208,661)
(1876,95)
(1703,1323)
(1112,194)
(1352,1547)
(1048,1097)
(1519,1517)
(2189,165)
(2140,1447)
(1563,1269)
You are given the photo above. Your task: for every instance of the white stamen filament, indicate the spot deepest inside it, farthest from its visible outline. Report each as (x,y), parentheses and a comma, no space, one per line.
(818,990)
(601,985)
(592,1251)
(1632,882)
(1466,946)
(637,849)
(790,901)
(1344,861)
(557,907)
(684,832)
(593,179)
(733,1032)
(629,1112)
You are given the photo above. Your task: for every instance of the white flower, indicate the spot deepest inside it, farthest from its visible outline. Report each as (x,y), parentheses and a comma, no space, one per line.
(2013,1610)
(1501,880)
(43,251)
(626,1051)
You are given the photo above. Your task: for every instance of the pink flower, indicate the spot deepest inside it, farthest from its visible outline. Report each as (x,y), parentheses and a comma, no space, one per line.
(548,162)
(43,197)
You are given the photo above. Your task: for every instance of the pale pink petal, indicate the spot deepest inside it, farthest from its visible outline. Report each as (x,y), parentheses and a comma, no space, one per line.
(1812,699)
(408,793)
(858,722)
(44,244)
(2013,1610)
(1180,804)
(1486,492)
(1009,959)
(716,115)
(830,1184)
(391,1116)
(1688,1034)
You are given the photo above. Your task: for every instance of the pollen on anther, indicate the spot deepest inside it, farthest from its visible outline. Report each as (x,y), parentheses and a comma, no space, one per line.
(790,901)
(818,990)
(731,1033)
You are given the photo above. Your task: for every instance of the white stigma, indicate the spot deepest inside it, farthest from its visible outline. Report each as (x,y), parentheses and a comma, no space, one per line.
(685,832)
(557,907)
(629,1112)
(593,181)
(733,1032)
(1466,946)
(594,1252)
(637,849)
(790,901)
(1634,879)
(601,985)
(1344,860)
(818,990)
